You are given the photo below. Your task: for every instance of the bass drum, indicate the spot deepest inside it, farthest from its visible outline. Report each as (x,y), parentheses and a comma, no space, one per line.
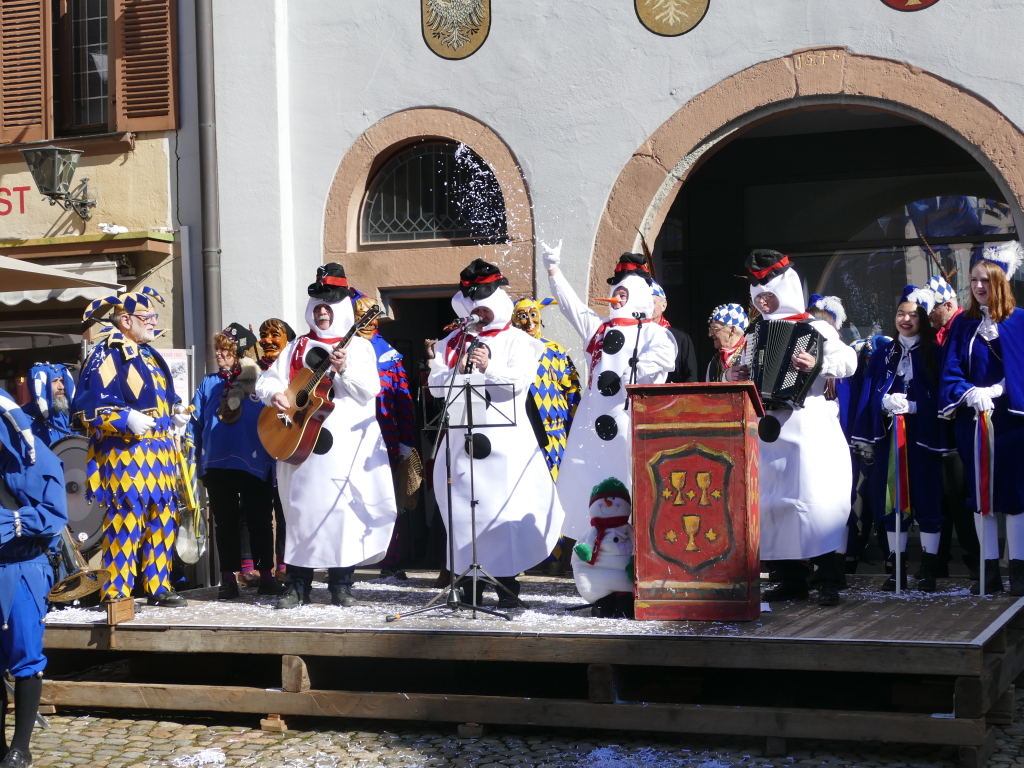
(83,517)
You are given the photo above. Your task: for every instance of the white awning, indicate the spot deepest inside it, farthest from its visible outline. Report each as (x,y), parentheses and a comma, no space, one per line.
(36,282)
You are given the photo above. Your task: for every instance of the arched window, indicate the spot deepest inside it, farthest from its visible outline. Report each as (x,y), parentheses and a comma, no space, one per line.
(434,190)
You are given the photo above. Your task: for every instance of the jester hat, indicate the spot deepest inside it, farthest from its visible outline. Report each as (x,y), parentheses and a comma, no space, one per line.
(127,303)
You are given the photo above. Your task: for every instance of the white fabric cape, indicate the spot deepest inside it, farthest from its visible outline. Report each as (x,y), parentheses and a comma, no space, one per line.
(339,507)
(588,459)
(518,517)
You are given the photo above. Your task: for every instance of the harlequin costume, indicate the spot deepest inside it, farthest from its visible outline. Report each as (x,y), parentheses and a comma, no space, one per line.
(599,445)
(339,502)
(555,392)
(806,473)
(132,475)
(33,512)
(48,423)
(235,468)
(984,359)
(900,386)
(518,515)
(724,359)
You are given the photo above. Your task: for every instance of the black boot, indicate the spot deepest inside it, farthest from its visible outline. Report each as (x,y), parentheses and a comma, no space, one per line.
(792,582)
(465,584)
(339,584)
(624,605)
(1017,578)
(511,583)
(993,579)
(603,608)
(889,585)
(831,567)
(300,584)
(928,572)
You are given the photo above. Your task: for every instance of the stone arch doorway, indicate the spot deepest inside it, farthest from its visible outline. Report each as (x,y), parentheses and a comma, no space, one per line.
(711,126)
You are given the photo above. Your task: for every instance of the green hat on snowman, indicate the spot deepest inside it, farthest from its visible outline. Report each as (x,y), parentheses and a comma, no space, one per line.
(610,488)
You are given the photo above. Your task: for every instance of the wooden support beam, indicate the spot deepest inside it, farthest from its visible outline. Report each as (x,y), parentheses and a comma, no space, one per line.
(775,747)
(977,756)
(294,677)
(602,683)
(779,722)
(1003,710)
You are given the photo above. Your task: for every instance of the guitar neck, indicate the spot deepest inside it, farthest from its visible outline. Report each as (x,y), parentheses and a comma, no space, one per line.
(321,370)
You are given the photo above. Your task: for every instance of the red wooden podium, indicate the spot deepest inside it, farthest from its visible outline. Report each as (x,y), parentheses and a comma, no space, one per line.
(695,500)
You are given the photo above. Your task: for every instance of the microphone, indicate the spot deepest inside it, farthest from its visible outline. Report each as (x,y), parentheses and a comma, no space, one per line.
(471,320)
(639,315)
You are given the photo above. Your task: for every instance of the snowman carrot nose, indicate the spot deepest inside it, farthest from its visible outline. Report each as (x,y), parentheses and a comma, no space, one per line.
(608,502)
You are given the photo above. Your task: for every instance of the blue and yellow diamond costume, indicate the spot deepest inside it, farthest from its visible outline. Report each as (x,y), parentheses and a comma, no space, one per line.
(133,476)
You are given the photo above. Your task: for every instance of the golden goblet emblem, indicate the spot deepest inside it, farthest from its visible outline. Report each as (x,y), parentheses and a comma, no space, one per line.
(691,524)
(704,483)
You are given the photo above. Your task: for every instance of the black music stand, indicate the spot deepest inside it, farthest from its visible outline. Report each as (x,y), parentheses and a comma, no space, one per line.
(469,400)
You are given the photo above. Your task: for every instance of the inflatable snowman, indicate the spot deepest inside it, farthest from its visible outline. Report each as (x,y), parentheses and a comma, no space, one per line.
(598,445)
(602,560)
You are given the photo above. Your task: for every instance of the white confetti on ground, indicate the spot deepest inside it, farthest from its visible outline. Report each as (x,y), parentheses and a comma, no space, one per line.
(211,756)
(616,757)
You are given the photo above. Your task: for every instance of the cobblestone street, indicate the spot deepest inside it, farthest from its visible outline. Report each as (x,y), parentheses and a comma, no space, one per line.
(103,740)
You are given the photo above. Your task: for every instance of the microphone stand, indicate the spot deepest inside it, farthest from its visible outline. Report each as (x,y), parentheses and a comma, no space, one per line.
(634,361)
(453,597)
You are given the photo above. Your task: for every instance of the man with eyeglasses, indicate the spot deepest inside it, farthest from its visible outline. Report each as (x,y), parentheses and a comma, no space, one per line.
(127,406)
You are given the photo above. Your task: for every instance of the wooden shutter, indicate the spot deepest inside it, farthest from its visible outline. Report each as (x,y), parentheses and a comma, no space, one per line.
(25,79)
(144,96)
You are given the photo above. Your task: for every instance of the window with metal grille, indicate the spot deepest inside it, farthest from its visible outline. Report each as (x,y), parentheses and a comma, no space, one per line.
(435,191)
(80,65)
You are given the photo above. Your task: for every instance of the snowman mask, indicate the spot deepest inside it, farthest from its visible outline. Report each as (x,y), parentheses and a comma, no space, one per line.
(641,298)
(344,318)
(789,291)
(498,302)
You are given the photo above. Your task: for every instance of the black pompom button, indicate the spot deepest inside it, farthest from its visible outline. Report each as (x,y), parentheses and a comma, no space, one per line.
(609,383)
(613,341)
(606,427)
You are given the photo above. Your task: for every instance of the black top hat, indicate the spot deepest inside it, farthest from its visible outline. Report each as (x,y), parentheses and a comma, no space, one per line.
(242,336)
(630,264)
(480,279)
(763,264)
(331,285)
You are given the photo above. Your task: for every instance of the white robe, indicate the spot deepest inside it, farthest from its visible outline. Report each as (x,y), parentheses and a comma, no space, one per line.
(518,517)
(589,459)
(339,507)
(806,474)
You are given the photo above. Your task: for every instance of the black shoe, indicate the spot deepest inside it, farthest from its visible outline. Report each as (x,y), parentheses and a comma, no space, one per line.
(926,576)
(271,587)
(787,590)
(507,603)
(828,594)
(168,599)
(993,579)
(466,585)
(387,573)
(1017,578)
(343,596)
(17,759)
(228,590)
(290,599)
(889,585)
(603,608)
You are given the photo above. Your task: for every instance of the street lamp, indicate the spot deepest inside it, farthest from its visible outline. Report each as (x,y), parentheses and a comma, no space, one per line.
(52,170)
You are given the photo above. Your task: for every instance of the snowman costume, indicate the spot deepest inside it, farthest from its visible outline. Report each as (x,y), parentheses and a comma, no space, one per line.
(518,515)
(599,445)
(805,475)
(601,559)
(339,505)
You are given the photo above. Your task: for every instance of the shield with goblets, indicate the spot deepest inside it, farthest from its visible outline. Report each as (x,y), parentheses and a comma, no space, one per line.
(691,525)
(910,5)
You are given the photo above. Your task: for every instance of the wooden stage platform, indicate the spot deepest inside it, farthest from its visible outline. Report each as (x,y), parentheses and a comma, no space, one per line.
(932,669)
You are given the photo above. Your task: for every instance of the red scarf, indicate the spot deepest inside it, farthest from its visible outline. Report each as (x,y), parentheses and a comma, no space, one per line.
(603,524)
(594,348)
(943,332)
(663,322)
(798,318)
(298,360)
(229,376)
(450,351)
(728,354)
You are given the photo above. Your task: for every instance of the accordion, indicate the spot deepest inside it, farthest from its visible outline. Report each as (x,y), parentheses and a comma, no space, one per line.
(771,366)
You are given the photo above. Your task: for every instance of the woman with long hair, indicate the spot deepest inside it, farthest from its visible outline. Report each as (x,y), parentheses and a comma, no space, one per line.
(899,405)
(975,392)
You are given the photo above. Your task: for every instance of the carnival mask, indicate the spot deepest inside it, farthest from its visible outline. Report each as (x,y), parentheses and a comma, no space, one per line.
(272,340)
(368,330)
(527,317)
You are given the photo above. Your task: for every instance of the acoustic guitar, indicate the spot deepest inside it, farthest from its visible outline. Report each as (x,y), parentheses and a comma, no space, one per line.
(291,435)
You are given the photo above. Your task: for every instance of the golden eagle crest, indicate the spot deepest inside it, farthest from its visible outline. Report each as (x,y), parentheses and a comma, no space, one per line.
(670,18)
(455,29)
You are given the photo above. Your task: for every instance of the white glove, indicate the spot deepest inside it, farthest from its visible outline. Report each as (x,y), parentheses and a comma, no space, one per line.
(896,403)
(404,450)
(140,423)
(181,420)
(552,256)
(980,398)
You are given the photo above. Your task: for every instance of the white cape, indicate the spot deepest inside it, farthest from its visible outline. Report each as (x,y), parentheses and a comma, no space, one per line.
(339,507)
(518,517)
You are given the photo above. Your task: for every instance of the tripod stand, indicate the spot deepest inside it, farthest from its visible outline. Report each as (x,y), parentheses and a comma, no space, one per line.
(474,402)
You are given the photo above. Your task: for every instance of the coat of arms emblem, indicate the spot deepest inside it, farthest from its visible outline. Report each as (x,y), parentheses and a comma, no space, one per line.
(691,525)
(455,29)
(670,18)
(910,5)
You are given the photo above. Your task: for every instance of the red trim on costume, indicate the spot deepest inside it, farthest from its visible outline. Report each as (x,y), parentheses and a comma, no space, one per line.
(663,322)
(594,346)
(761,273)
(449,352)
(298,359)
(342,281)
(603,524)
(798,318)
(943,332)
(480,280)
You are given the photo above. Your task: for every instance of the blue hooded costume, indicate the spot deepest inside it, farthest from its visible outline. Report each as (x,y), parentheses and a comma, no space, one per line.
(34,479)
(49,425)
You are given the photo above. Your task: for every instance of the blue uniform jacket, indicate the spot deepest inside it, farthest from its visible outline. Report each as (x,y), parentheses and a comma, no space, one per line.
(880,379)
(47,424)
(228,446)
